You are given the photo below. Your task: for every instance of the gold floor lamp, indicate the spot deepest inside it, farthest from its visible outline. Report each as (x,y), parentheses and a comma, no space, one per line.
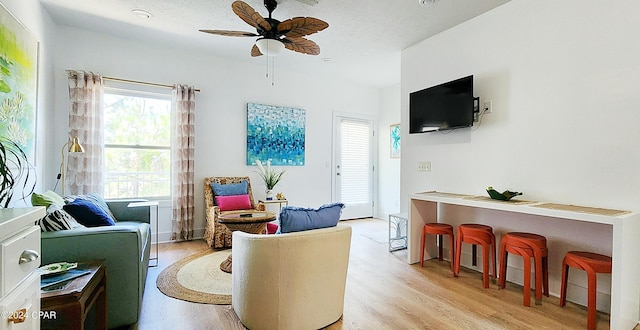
(74,146)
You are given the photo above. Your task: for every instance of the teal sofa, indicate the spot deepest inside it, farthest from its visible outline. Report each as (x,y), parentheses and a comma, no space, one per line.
(125,248)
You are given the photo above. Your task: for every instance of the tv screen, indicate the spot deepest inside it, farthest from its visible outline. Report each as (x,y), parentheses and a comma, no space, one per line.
(445,106)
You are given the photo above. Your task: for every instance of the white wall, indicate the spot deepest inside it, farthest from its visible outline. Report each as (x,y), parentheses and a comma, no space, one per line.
(564,79)
(226,87)
(388,168)
(33,16)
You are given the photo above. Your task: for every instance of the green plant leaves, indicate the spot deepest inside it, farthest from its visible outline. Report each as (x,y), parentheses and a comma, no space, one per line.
(14,172)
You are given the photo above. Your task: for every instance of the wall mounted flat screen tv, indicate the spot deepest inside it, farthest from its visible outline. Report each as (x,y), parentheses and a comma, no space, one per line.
(445,106)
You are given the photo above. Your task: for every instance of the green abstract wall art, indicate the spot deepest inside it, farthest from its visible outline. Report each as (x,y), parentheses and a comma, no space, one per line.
(275,133)
(18,83)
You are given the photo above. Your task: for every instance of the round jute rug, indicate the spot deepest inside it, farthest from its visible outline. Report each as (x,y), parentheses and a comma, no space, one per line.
(198,278)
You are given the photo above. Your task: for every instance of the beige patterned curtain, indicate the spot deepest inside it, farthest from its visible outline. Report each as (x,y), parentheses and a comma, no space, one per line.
(182,153)
(85,170)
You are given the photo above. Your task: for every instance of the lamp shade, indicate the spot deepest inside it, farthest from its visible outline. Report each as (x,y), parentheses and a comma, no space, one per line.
(270,47)
(75,146)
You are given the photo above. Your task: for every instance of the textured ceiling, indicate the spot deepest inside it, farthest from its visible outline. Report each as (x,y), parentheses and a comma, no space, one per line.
(364,38)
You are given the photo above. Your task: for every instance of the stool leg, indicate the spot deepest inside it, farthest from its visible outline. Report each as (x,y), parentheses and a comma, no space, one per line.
(451,251)
(502,279)
(493,251)
(545,276)
(424,233)
(527,280)
(563,283)
(440,249)
(456,269)
(591,304)
(538,277)
(485,265)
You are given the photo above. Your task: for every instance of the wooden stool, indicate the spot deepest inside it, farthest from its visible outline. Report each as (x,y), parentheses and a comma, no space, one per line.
(528,246)
(592,263)
(438,229)
(477,234)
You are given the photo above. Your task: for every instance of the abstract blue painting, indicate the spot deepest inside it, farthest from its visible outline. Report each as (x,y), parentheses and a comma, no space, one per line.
(275,133)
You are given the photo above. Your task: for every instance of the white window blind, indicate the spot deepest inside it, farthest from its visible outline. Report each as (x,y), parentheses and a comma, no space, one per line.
(355,171)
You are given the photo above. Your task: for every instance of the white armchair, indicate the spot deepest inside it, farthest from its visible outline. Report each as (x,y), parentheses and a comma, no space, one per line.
(290,281)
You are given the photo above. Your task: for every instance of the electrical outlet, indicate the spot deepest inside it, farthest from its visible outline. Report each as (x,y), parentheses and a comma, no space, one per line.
(486,107)
(424,166)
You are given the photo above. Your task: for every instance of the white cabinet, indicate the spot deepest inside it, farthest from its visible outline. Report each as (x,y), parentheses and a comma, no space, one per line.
(19,257)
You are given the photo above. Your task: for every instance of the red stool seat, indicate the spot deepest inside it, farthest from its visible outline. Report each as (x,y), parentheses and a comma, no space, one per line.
(477,234)
(592,263)
(438,229)
(528,246)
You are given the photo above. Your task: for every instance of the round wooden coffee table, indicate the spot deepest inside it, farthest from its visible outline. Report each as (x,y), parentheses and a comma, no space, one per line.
(252,222)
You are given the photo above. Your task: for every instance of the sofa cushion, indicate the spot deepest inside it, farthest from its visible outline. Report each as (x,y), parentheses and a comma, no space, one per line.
(294,219)
(88,213)
(95,199)
(232,203)
(46,199)
(57,219)
(230,189)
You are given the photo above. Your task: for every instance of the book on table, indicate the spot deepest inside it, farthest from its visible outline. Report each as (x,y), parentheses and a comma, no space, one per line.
(47,281)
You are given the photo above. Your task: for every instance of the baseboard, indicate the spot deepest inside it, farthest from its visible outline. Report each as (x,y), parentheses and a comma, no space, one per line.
(165,237)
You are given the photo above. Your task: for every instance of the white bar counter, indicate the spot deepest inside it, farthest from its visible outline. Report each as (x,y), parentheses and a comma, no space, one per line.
(625,233)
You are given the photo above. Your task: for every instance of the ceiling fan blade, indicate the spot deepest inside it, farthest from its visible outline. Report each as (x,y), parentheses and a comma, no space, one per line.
(250,16)
(255,51)
(229,33)
(302,45)
(301,26)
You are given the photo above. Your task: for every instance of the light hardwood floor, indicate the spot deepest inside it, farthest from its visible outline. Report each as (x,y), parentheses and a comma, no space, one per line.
(382,292)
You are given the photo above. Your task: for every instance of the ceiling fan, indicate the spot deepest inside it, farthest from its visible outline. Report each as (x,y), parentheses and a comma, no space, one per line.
(275,35)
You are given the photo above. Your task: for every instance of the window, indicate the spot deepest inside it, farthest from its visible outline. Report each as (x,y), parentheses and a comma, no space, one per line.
(137,141)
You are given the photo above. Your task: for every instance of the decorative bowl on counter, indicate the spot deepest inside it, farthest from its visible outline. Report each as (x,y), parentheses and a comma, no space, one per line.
(503,196)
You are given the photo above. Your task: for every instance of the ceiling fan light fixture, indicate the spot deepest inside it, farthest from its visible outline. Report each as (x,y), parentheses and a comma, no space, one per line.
(426,2)
(270,47)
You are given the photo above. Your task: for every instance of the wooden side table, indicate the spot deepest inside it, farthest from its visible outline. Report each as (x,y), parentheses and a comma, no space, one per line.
(68,307)
(253,222)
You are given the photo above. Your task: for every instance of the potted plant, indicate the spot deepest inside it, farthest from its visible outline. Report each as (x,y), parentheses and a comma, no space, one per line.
(14,172)
(270,177)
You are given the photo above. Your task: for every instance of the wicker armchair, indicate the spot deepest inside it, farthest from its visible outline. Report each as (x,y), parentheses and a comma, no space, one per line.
(216,234)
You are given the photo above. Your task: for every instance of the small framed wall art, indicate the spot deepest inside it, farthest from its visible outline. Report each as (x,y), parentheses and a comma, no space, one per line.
(394,133)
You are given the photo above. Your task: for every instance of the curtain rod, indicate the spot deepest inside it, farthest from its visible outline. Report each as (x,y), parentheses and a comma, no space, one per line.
(140,82)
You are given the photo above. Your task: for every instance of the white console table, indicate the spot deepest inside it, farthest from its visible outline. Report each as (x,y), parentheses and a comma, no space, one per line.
(625,250)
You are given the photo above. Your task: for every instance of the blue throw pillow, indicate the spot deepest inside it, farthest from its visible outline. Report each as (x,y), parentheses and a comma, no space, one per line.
(95,199)
(294,219)
(88,213)
(230,189)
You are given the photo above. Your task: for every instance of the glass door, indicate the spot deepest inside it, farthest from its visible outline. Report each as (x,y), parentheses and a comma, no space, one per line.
(353,168)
